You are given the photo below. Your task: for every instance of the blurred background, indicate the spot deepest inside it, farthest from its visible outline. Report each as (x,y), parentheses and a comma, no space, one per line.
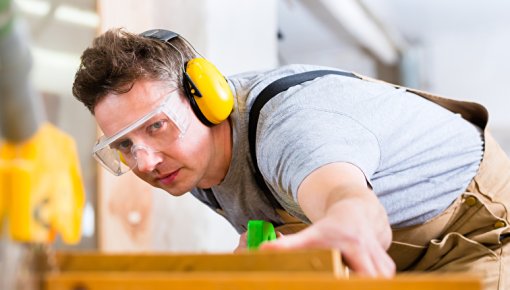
(456,48)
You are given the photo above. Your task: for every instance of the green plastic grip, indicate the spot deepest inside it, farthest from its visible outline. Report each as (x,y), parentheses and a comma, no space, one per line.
(258,232)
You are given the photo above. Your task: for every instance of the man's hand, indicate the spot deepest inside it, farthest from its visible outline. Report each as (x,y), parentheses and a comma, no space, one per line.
(360,248)
(346,215)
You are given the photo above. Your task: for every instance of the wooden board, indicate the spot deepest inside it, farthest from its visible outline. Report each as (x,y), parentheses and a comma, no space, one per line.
(326,261)
(250,281)
(258,270)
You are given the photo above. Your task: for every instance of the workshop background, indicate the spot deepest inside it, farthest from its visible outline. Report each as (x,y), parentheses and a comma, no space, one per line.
(457,48)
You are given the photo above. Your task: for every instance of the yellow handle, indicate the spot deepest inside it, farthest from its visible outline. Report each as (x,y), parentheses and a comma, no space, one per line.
(43,193)
(3,192)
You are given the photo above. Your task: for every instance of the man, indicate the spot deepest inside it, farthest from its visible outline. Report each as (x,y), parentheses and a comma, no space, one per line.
(358,161)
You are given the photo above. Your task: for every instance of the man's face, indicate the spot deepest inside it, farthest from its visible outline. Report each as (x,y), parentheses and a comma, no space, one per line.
(175,164)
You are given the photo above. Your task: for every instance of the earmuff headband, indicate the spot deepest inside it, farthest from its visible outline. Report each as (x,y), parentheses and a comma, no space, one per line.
(160,34)
(207,90)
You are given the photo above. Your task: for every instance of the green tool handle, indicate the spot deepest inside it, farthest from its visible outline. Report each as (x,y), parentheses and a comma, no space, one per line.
(259,231)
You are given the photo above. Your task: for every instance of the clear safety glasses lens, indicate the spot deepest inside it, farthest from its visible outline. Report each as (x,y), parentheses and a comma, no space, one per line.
(159,128)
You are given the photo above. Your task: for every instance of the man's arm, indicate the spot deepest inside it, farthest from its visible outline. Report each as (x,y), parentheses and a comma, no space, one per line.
(346,215)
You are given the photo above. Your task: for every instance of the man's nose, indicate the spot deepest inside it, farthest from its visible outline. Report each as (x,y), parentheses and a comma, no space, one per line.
(147,160)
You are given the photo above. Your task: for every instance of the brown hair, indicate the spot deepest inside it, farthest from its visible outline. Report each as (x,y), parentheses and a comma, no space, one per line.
(118,58)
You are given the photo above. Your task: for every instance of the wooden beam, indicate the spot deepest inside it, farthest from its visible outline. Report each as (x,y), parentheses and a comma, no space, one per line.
(250,281)
(326,261)
(256,270)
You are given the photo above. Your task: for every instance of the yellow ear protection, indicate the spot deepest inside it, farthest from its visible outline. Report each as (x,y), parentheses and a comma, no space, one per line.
(206,88)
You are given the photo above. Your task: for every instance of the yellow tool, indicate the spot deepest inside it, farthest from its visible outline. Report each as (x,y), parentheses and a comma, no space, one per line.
(41,192)
(3,190)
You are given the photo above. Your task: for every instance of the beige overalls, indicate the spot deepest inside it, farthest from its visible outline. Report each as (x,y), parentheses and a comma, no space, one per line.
(469,236)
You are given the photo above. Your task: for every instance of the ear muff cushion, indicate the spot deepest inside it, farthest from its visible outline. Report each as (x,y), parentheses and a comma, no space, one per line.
(214,99)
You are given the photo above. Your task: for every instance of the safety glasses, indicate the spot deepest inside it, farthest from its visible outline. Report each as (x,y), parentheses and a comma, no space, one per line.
(151,133)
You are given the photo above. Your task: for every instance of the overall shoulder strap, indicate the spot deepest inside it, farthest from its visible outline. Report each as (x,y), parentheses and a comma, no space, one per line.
(265,95)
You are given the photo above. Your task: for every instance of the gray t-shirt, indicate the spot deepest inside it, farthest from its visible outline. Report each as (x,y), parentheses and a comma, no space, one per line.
(417,156)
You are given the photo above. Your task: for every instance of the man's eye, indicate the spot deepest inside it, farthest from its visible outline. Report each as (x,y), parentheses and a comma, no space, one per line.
(124,146)
(154,127)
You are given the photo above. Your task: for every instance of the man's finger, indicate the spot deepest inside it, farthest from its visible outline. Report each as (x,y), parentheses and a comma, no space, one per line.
(303,239)
(385,265)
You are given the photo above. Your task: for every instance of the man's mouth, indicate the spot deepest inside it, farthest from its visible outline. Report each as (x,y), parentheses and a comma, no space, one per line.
(169,178)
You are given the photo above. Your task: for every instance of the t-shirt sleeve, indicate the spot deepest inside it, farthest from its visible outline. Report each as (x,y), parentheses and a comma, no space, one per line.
(293,144)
